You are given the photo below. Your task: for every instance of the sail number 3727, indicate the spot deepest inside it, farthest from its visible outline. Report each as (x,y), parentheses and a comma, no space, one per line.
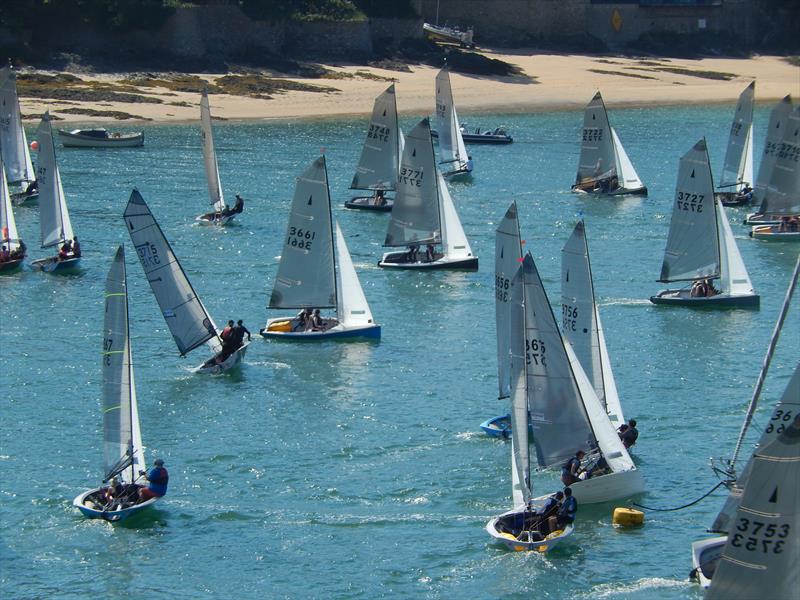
(689,201)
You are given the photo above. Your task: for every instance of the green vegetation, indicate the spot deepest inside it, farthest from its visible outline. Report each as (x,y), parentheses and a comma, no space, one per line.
(327,10)
(117,15)
(69,87)
(94,112)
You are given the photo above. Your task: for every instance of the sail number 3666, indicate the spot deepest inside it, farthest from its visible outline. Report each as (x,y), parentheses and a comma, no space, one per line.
(756,536)
(300,238)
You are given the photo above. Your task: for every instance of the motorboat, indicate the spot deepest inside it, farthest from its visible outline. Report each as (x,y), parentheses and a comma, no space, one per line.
(99,138)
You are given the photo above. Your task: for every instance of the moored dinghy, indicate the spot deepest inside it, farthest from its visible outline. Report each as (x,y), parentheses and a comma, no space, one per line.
(12,252)
(737,171)
(778,119)
(604,167)
(520,528)
(100,137)
(54,221)
(456,162)
(782,195)
(13,142)
(701,248)
(581,325)
(424,213)
(380,156)
(123,453)
(316,271)
(707,552)
(188,320)
(221,213)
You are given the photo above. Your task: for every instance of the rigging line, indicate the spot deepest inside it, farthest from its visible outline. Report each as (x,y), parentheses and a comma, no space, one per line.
(708,493)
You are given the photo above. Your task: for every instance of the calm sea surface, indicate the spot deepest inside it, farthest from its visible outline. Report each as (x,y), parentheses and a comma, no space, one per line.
(358,470)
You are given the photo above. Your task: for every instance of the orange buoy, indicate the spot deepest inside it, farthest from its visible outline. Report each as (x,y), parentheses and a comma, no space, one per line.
(34,145)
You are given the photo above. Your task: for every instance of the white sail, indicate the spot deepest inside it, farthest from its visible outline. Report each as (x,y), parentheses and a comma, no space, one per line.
(306,271)
(123,454)
(560,423)
(763,550)
(628,178)
(520,443)
(777,124)
(415,216)
(454,241)
(507,259)
(184,313)
(598,159)
(54,219)
(380,155)
(8,225)
(13,142)
(734,279)
(782,196)
(738,167)
(692,250)
(580,321)
(210,155)
(451,142)
(352,307)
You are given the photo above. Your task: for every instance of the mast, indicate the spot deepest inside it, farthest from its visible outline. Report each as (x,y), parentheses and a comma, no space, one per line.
(337,279)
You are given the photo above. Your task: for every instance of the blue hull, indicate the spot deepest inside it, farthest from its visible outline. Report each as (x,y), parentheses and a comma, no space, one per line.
(499,427)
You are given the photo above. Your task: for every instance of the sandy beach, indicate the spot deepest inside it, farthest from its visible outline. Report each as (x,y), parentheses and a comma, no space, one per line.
(546,82)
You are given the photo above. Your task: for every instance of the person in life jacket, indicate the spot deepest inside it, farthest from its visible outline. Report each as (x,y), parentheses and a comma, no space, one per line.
(157,478)
(572,468)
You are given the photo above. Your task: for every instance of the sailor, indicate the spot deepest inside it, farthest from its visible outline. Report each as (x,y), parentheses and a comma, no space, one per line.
(76,247)
(239,206)
(629,435)
(568,509)
(549,509)
(469,164)
(238,333)
(65,251)
(572,468)
(157,478)
(316,321)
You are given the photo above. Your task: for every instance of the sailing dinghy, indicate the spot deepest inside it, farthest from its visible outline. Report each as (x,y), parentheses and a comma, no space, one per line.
(778,119)
(380,156)
(316,271)
(424,213)
(701,248)
(782,196)
(123,453)
(604,167)
(456,163)
(13,249)
(188,320)
(54,221)
(221,213)
(520,528)
(13,143)
(737,172)
(707,552)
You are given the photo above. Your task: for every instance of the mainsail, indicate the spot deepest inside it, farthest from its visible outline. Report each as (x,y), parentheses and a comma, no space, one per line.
(210,155)
(580,321)
(762,551)
(122,440)
(380,155)
(54,219)
(8,225)
(738,166)
(598,159)
(183,312)
(692,245)
(306,271)
(416,215)
(451,142)
(507,259)
(782,196)
(13,143)
(777,125)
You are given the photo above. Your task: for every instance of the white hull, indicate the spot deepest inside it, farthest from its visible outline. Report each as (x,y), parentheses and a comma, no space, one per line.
(73,140)
(396,260)
(606,488)
(233,361)
(333,330)
(705,556)
(91,510)
(772,233)
(761,219)
(214,219)
(521,545)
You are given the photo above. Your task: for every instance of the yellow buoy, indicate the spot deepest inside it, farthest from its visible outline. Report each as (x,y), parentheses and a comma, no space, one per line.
(627,517)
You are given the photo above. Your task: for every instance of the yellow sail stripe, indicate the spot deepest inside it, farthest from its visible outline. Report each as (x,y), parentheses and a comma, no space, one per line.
(117,407)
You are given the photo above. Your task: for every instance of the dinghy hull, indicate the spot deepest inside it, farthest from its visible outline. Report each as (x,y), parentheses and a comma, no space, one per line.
(495,528)
(499,427)
(232,362)
(368,203)
(606,488)
(772,233)
(11,265)
(212,219)
(682,298)
(761,219)
(21,199)
(371,331)
(91,510)
(705,557)
(53,265)
(398,260)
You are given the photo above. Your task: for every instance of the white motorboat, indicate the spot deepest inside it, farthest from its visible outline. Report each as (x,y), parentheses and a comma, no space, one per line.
(100,137)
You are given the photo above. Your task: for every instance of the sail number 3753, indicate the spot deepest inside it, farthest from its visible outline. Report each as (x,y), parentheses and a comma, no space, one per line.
(756,536)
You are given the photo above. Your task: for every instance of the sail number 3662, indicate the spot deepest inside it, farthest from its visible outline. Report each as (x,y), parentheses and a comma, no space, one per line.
(756,536)
(300,238)
(690,202)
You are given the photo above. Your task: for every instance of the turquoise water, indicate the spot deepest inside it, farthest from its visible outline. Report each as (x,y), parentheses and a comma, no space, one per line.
(357,470)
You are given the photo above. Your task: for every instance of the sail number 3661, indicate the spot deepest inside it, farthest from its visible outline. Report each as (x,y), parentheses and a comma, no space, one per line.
(690,202)
(756,536)
(300,238)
